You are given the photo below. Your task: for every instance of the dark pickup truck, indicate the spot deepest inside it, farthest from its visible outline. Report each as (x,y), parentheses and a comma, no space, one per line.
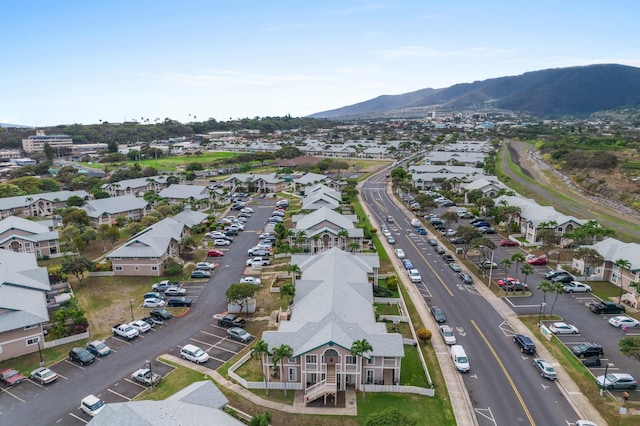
(231,320)
(606,308)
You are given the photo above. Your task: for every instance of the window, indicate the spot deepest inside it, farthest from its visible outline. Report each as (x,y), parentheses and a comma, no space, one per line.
(293,360)
(117,258)
(153,258)
(136,268)
(29,327)
(350,359)
(370,376)
(135,258)
(311,359)
(292,375)
(371,361)
(154,268)
(33,341)
(118,268)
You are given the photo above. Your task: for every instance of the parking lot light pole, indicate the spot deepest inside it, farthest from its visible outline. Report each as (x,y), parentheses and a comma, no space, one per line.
(604,380)
(542,305)
(153,386)
(131,305)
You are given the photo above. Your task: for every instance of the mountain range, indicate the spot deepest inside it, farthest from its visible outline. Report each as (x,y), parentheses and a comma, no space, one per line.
(552,93)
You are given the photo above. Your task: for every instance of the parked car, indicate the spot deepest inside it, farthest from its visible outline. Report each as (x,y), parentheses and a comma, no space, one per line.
(606,308)
(221,242)
(565,278)
(587,349)
(81,356)
(140,325)
(456,240)
(231,320)
(11,377)
(481,224)
(163,314)
(617,381)
(448,335)
(179,301)
(466,278)
(432,242)
(563,328)
(163,285)
(624,321)
(239,334)
(98,348)
(153,303)
(391,239)
(502,281)
(535,261)
(200,274)
(258,262)
(576,287)
(399,253)
(205,266)
(414,276)
(175,291)
(487,264)
(92,405)
(525,343)
(407,264)
(421,231)
(487,230)
(545,368)
(438,249)
(455,267)
(509,243)
(152,321)
(549,275)
(43,375)
(448,258)
(153,295)
(251,280)
(438,314)
(515,286)
(215,253)
(194,354)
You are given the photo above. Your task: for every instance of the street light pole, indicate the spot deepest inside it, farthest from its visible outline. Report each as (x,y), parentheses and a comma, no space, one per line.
(604,380)
(491,267)
(40,353)
(153,386)
(131,305)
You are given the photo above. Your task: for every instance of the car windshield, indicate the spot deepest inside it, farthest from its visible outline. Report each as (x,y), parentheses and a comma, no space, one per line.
(448,333)
(198,352)
(46,373)
(462,359)
(100,345)
(83,352)
(610,378)
(96,405)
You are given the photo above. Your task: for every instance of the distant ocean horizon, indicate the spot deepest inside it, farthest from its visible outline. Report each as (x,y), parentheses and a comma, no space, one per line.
(20,126)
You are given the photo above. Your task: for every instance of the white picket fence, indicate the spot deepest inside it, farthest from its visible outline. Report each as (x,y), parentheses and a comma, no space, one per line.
(65,340)
(399,389)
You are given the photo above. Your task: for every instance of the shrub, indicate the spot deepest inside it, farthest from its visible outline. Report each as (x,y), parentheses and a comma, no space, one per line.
(392,283)
(381,291)
(423,334)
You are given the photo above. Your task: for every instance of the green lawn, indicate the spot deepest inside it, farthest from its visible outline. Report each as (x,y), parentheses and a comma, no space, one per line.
(172,163)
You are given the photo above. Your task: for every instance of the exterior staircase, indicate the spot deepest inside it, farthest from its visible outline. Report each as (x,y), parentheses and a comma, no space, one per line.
(324,388)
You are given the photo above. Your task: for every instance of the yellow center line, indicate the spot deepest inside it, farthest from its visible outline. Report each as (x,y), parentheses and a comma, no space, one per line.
(430,267)
(504,370)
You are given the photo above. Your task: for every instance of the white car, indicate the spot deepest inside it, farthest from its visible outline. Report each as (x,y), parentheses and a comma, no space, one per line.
(194,354)
(175,291)
(153,303)
(247,210)
(214,234)
(251,280)
(399,253)
(386,233)
(563,328)
(91,405)
(448,335)
(414,276)
(221,242)
(205,266)
(576,287)
(141,326)
(623,320)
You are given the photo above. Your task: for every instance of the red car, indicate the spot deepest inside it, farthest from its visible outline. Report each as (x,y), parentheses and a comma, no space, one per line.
(11,377)
(507,280)
(537,261)
(215,253)
(509,243)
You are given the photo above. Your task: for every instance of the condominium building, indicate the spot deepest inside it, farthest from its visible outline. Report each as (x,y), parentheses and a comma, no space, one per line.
(36,143)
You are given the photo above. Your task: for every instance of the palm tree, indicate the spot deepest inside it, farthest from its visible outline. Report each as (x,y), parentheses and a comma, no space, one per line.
(545,287)
(258,350)
(295,270)
(558,288)
(261,419)
(343,234)
(506,262)
(278,355)
(358,349)
(315,239)
(517,257)
(526,271)
(353,246)
(288,291)
(621,264)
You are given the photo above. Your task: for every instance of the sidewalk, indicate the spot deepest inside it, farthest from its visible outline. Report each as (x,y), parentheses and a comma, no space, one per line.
(298,407)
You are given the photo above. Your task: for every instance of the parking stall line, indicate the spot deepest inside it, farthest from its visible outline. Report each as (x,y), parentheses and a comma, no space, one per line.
(211,334)
(225,349)
(119,394)
(202,342)
(79,418)
(75,365)
(35,383)
(135,383)
(120,340)
(15,396)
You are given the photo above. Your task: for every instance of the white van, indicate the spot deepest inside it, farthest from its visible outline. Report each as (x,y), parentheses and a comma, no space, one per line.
(460,358)
(194,354)
(415,223)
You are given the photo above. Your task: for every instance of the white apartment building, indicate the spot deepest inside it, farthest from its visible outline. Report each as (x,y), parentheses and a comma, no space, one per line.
(36,143)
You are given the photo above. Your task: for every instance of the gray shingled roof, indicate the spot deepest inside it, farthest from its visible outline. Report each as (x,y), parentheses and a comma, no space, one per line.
(190,218)
(612,250)
(152,241)
(114,205)
(334,305)
(184,192)
(22,291)
(37,231)
(26,200)
(307,221)
(129,184)
(197,404)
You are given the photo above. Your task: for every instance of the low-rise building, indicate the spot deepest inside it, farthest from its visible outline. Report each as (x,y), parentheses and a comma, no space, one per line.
(26,236)
(37,205)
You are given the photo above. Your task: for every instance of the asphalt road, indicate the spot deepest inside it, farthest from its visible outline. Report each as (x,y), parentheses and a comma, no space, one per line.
(51,405)
(504,387)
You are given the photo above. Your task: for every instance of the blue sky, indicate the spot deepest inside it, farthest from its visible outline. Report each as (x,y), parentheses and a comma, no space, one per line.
(85,61)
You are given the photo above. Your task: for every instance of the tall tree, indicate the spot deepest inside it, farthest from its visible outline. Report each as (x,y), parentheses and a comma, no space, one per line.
(517,258)
(557,288)
(622,264)
(278,355)
(76,266)
(358,349)
(545,287)
(259,349)
(526,271)
(240,293)
(590,257)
